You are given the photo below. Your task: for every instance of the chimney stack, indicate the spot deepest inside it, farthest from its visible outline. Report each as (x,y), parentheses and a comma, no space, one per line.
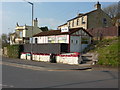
(35,22)
(98,5)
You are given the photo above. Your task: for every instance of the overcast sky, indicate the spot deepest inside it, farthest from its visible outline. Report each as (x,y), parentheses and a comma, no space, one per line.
(51,14)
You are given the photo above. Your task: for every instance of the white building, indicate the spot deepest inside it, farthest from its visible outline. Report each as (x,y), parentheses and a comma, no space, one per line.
(23,34)
(77,38)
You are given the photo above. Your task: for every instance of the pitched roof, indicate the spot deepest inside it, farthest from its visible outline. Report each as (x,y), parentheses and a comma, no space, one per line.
(82,15)
(13,33)
(58,32)
(107,31)
(78,16)
(62,24)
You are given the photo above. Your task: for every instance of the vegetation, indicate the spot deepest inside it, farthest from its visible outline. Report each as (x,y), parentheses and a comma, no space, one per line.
(14,51)
(113,11)
(4,40)
(108,52)
(109,55)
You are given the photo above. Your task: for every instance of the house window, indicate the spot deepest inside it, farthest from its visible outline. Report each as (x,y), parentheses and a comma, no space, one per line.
(71,41)
(69,24)
(73,23)
(104,21)
(77,22)
(76,41)
(36,40)
(51,39)
(21,34)
(62,39)
(83,22)
(84,40)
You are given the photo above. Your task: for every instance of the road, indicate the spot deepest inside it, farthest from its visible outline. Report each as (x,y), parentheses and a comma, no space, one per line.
(16,75)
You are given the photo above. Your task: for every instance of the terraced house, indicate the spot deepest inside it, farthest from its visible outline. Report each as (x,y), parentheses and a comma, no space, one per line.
(93,19)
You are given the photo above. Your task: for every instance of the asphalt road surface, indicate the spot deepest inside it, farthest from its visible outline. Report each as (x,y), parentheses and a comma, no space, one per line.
(21,76)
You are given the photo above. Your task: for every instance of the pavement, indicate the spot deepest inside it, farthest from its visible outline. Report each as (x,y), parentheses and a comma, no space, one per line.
(43,65)
(53,66)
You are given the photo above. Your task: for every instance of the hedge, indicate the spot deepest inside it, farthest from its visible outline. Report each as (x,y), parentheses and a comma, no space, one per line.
(14,51)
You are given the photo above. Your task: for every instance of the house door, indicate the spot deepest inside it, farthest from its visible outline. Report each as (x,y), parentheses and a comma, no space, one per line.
(75,44)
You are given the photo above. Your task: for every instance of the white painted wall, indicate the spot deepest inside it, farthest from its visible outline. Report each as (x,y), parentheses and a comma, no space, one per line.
(77,47)
(75,43)
(75,40)
(68,58)
(24,33)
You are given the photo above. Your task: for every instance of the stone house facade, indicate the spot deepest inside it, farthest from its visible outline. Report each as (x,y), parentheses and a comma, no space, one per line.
(93,19)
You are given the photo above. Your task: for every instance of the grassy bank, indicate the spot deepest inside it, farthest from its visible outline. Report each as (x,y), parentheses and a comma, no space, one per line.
(108,52)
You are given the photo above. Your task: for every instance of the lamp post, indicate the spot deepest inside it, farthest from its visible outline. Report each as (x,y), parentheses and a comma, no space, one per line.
(32,29)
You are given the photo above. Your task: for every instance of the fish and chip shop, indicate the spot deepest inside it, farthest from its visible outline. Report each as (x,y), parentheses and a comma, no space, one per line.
(66,44)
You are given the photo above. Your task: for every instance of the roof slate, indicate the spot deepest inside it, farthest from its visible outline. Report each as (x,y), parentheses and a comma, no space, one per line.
(58,32)
(83,15)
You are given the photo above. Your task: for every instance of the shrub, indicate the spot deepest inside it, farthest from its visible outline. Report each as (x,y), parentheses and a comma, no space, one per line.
(14,51)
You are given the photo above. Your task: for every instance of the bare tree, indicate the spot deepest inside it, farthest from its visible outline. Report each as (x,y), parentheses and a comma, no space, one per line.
(4,39)
(112,10)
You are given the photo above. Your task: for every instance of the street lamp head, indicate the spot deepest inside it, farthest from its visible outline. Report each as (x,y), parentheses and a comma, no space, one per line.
(30,3)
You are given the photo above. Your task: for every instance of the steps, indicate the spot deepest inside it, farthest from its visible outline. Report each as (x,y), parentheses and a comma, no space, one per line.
(89,58)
